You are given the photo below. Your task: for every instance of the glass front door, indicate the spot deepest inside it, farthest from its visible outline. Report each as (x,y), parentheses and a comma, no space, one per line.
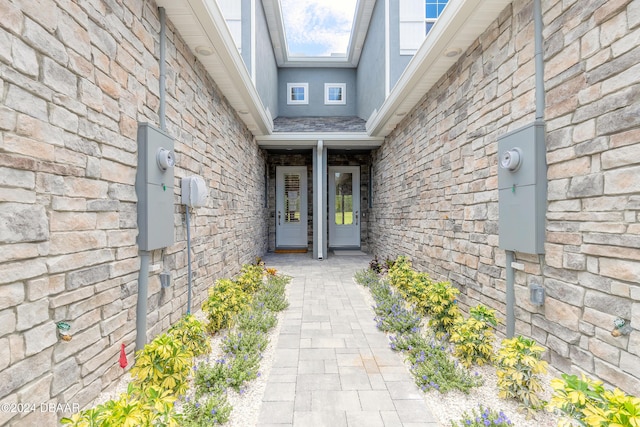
(291,206)
(344,206)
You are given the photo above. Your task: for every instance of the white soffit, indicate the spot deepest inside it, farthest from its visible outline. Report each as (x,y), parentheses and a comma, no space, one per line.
(460,24)
(202,26)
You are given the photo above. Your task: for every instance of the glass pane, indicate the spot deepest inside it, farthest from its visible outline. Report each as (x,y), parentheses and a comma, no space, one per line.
(335,94)
(297,94)
(291,197)
(344,198)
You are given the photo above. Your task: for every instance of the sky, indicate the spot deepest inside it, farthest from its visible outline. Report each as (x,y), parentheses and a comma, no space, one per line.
(317,27)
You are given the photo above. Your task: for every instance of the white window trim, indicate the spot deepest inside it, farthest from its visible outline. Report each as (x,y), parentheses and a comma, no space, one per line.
(306,93)
(328,86)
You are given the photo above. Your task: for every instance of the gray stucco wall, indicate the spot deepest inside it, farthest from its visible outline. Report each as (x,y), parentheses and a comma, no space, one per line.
(397,62)
(316,78)
(370,72)
(267,69)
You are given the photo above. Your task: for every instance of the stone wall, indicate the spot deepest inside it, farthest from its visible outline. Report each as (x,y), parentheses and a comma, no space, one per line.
(75,80)
(435,180)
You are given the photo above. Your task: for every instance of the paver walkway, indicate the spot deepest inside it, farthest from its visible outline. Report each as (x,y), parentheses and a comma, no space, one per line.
(332,366)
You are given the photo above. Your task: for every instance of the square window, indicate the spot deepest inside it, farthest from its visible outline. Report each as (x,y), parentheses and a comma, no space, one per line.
(297,93)
(335,93)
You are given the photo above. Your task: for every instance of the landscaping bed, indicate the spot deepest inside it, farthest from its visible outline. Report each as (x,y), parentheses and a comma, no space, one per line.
(469,377)
(209,368)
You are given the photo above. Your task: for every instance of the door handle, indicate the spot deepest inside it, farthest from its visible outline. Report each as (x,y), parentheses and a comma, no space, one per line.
(279,215)
(357,217)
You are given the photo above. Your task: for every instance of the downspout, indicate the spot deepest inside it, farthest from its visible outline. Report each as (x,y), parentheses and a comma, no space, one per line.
(540,105)
(319,190)
(145,256)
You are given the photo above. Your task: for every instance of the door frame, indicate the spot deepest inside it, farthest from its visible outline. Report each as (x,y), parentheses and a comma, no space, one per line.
(344,236)
(291,236)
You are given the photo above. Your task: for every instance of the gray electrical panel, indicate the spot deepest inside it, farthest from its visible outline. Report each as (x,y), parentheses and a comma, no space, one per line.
(154,187)
(522,189)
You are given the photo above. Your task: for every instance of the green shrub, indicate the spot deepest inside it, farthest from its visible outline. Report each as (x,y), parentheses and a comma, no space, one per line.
(191,333)
(226,300)
(251,278)
(273,293)
(401,276)
(482,417)
(590,404)
(215,409)
(151,407)
(244,342)
(243,368)
(433,369)
(442,307)
(518,365)
(210,378)
(366,278)
(473,337)
(164,363)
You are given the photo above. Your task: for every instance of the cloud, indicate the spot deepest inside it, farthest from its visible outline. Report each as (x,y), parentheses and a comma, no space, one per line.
(317,27)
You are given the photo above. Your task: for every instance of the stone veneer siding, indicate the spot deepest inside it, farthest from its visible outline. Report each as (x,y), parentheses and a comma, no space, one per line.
(75,80)
(435,180)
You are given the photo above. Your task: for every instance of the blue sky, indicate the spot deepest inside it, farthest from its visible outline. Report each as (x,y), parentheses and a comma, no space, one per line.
(317,27)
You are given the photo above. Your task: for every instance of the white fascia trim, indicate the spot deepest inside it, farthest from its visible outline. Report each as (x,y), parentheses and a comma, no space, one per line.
(459,25)
(310,139)
(215,29)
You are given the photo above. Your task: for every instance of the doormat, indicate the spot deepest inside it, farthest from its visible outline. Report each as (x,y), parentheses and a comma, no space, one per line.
(292,251)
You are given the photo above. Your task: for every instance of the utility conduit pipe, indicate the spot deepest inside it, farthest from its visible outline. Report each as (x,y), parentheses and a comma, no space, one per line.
(143,274)
(540,105)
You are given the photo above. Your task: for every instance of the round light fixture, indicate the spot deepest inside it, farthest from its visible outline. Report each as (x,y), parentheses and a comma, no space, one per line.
(452,52)
(204,50)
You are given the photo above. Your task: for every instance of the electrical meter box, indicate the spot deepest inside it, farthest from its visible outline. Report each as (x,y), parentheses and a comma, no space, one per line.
(522,189)
(154,187)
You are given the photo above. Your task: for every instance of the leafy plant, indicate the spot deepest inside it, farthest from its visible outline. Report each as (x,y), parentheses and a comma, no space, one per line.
(243,368)
(244,342)
(191,333)
(214,410)
(164,363)
(473,337)
(518,365)
(134,408)
(590,404)
(273,293)
(210,378)
(395,317)
(256,319)
(366,278)
(251,277)
(226,299)
(432,369)
(442,307)
(482,417)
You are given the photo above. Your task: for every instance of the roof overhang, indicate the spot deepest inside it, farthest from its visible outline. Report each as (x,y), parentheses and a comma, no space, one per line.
(332,140)
(459,25)
(204,29)
(361,20)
